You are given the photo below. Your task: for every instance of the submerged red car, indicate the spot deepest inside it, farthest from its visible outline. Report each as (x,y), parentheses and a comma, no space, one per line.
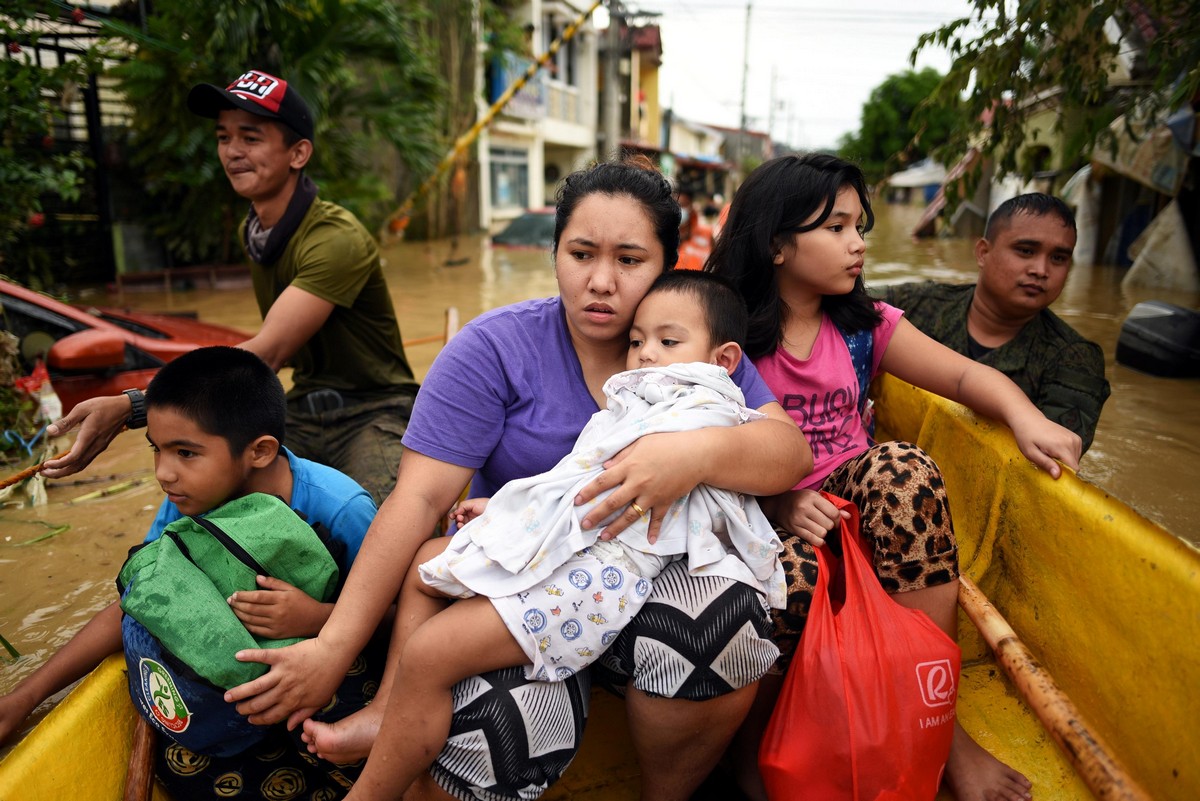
(95,351)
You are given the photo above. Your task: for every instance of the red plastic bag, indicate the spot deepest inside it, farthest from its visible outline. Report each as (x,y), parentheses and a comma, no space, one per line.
(867,706)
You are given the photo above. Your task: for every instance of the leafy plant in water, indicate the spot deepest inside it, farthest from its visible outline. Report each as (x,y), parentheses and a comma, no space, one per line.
(54,531)
(13,653)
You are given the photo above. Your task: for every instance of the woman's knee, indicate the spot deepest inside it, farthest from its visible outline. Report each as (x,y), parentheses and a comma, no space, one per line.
(509,733)
(697,638)
(901,497)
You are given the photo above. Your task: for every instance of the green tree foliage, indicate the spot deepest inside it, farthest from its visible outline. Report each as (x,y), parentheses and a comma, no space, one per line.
(889,136)
(363,65)
(1014,59)
(453,34)
(32,167)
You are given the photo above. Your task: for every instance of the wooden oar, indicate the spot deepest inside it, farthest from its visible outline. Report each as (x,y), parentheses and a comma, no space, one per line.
(1091,758)
(139,779)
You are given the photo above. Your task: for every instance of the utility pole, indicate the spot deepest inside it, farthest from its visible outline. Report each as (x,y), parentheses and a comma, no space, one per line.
(771,112)
(745,65)
(612,77)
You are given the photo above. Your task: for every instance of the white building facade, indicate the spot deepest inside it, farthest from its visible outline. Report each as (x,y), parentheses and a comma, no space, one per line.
(549,128)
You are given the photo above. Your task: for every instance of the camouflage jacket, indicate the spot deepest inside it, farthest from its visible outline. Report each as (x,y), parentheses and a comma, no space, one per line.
(1060,371)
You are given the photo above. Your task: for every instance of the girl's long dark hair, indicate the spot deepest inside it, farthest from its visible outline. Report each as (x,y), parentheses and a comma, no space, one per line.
(773,204)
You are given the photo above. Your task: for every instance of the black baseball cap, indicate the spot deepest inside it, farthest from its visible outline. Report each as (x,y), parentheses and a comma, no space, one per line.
(258,93)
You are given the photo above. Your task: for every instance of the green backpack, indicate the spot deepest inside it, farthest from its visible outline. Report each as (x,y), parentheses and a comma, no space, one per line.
(180,634)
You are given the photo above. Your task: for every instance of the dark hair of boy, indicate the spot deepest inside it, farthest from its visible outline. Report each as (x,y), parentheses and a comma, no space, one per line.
(724,309)
(290,137)
(228,392)
(1035,204)
(772,205)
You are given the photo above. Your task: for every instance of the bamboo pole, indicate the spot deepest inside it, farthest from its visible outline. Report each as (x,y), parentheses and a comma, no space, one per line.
(449,329)
(1088,754)
(408,343)
(17,478)
(107,491)
(139,778)
(398,219)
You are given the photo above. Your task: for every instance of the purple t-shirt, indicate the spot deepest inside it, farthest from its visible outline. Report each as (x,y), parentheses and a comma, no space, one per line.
(507,396)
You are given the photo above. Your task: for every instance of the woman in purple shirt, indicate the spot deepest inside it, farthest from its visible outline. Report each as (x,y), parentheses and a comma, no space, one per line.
(506,399)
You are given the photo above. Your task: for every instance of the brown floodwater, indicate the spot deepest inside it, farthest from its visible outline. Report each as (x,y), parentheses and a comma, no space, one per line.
(1145,443)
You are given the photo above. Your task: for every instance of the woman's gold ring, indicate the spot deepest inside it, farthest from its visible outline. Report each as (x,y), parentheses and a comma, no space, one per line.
(640,511)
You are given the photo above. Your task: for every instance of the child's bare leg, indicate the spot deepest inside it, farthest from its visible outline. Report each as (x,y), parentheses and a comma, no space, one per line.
(350,739)
(464,640)
(972,774)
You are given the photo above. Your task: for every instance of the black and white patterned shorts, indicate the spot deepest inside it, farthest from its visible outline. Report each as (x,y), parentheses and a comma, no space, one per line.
(696,638)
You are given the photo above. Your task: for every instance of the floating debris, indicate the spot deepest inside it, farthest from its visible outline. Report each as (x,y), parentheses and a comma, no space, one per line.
(108,491)
(55,530)
(13,653)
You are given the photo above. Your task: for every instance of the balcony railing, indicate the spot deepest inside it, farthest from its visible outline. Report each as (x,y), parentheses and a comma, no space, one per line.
(563,102)
(542,97)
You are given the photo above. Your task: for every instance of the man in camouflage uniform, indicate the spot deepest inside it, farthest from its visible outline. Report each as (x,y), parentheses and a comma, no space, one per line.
(1003,320)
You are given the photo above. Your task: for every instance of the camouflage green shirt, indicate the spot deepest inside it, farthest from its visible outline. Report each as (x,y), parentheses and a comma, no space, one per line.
(1060,371)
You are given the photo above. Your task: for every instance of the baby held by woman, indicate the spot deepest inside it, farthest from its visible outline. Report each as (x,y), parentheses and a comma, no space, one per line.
(540,590)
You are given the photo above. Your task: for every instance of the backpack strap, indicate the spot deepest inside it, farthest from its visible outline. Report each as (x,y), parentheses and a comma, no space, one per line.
(861,345)
(229,543)
(336,548)
(134,563)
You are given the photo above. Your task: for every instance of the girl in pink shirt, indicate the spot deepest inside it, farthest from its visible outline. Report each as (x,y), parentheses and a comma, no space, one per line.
(794,246)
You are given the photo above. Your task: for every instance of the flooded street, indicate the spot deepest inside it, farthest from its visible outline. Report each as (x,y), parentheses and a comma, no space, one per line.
(1145,442)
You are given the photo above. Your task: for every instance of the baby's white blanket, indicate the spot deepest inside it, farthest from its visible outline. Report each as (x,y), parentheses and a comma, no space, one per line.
(532,525)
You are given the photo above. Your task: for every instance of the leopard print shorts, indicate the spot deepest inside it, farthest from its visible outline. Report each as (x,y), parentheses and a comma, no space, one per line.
(901,498)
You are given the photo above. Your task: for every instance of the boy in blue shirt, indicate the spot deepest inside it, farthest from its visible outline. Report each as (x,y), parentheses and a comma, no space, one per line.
(215,421)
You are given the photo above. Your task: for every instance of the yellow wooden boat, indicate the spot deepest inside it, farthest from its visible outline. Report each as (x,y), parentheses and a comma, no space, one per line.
(1108,602)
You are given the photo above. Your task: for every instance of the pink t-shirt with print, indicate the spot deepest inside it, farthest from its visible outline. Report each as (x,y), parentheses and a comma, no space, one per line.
(821,393)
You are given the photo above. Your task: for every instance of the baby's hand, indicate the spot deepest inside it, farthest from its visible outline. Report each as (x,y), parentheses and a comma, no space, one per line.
(809,516)
(279,610)
(468,510)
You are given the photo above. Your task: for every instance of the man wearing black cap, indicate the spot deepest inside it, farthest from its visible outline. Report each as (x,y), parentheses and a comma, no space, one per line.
(319,285)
